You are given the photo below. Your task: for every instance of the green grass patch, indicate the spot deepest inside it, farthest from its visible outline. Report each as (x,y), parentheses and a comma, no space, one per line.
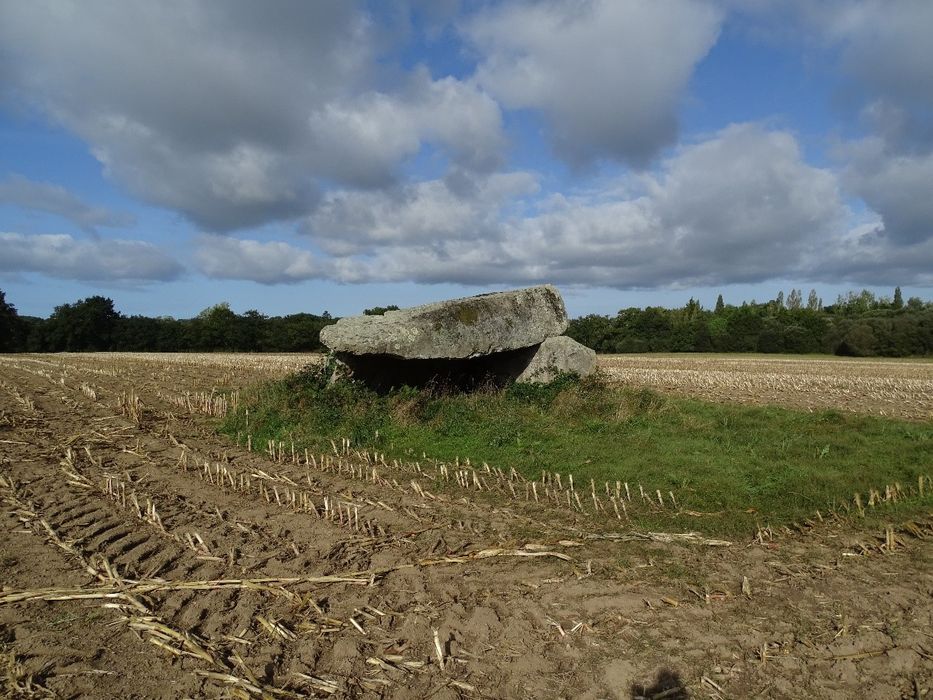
(750,465)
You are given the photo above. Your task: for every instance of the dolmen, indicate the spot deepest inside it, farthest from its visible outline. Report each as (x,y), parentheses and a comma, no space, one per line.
(466,343)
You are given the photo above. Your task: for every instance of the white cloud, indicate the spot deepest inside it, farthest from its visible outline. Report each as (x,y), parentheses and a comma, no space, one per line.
(58,255)
(273,262)
(363,139)
(462,206)
(608,74)
(741,206)
(881,48)
(233,114)
(883,53)
(43,196)
(171,98)
(896,185)
(745,202)
(866,254)
(236,116)
(887,55)
(886,46)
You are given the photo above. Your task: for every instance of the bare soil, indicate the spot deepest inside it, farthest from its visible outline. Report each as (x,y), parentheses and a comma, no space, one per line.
(131,570)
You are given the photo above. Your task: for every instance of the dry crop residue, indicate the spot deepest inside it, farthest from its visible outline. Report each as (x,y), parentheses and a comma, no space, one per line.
(141,555)
(894,388)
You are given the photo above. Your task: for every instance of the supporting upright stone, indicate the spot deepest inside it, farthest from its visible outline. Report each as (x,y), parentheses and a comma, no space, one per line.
(555,356)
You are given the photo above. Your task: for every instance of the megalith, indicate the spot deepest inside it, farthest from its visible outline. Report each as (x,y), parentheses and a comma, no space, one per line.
(489,338)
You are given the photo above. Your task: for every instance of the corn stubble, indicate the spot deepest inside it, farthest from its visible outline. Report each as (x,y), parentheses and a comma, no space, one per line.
(877,387)
(371,500)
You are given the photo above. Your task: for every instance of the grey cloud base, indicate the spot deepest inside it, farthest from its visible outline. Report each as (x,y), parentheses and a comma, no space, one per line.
(463,342)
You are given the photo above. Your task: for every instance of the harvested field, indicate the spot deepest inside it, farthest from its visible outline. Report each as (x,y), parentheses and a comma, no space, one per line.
(142,555)
(894,388)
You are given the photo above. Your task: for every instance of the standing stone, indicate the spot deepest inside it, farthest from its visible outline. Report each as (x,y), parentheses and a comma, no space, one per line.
(557,355)
(457,329)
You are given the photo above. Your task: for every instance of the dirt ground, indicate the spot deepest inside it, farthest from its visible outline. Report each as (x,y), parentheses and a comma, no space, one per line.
(144,556)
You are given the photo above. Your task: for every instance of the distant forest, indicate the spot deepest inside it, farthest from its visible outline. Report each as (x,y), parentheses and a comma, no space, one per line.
(93,324)
(858,325)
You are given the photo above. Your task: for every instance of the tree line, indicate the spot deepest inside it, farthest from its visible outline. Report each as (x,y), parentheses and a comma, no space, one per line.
(858,324)
(93,324)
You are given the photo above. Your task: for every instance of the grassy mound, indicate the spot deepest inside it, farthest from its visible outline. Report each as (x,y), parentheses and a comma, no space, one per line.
(741,465)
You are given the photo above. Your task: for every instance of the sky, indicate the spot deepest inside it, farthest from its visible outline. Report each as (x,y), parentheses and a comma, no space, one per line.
(292,156)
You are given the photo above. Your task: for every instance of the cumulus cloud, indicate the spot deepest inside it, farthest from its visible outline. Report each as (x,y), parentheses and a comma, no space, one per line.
(741,206)
(880,49)
(46,197)
(608,75)
(461,206)
(59,255)
(896,185)
(747,202)
(242,186)
(233,114)
(883,55)
(237,116)
(172,102)
(362,139)
(273,262)
(885,46)
(866,254)
(887,54)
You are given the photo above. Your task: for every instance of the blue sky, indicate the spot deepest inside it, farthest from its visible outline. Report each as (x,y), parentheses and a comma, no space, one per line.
(294,156)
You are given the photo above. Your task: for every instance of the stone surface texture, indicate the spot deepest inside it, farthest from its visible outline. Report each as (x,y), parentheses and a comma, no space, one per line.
(456,329)
(556,355)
